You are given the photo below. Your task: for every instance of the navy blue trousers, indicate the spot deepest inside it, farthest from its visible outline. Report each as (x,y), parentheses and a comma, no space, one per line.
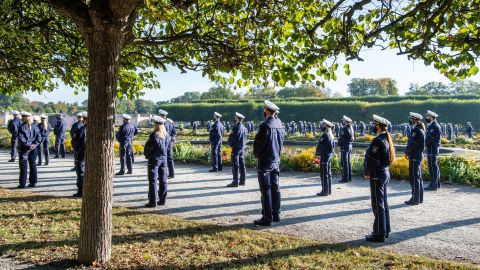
(416,182)
(28,159)
(433,168)
(157,181)
(170,164)
(326,174)
(126,150)
(217,156)
(269,182)
(44,150)
(80,170)
(238,166)
(60,146)
(346,163)
(13,147)
(378,191)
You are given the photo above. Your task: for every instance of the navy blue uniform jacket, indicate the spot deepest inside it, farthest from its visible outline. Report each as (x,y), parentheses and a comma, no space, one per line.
(325,145)
(433,135)
(416,143)
(60,127)
(377,155)
(125,133)
(345,137)
(216,132)
(268,142)
(156,148)
(238,138)
(28,135)
(13,126)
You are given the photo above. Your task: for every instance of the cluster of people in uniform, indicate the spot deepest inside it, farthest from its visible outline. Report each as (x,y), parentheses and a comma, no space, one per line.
(31,138)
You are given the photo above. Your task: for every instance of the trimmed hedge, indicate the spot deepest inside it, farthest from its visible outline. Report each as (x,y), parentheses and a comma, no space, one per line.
(453,110)
(363,98)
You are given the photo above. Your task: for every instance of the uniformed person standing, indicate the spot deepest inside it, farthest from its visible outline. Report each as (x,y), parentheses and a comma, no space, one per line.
(124,136)
(13,126)
(28,140)
(172,133)
(59,132)
(237,141)
(378,157)
(450,133)
(44,148)
(345,144)
(155,151)
(324,153)
(469,130)
(79,139)
(432,142)
(414,153)
(215,136)
(73,130)
(267,148)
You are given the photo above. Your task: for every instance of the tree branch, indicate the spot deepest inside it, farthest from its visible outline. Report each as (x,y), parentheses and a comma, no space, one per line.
(76,10)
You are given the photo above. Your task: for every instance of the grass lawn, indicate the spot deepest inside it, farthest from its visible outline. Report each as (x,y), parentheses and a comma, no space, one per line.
(44,230)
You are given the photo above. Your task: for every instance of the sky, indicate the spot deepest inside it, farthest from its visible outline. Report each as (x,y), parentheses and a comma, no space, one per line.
(376,64)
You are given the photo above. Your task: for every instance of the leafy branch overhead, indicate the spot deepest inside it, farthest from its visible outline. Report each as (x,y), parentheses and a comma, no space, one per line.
(238,42)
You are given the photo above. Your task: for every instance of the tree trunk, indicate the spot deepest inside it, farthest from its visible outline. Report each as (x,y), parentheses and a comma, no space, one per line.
(104,42)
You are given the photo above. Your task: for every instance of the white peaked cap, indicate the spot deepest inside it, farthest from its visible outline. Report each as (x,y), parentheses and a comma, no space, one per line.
(24,113)
(169,120)
(126,116)
(80,114)
(347,119)
(43,116)
(416,115)
(216,114)
(162,112)
(381,120)
(15,112)
(432,113)
(158,120)
(239,115)
(85,114)
(326,122)
(35,117)
(271,106)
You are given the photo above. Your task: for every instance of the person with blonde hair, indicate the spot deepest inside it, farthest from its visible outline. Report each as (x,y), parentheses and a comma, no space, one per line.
(155,152)
(414,154)
(45,129)
(324,152)
(378,157)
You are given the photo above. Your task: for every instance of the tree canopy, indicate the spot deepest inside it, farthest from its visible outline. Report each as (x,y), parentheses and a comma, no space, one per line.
(372,87)
(438,88)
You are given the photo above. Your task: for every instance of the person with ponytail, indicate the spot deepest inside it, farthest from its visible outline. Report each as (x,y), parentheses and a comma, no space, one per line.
(45,129)
(324,154)
(414,154)
(378,157)
(155,152)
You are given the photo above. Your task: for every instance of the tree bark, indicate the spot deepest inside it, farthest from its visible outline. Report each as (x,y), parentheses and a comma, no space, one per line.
(104,42)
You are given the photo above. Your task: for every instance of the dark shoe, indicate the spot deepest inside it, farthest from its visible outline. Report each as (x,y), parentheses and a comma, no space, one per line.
(262,222)
(39,164)
(73,169)
(377,239)
(411,202)
(77,195)
(233,184)
(20,186)
(46,164)
(220,169)
(242,184)
(120,173)
(161,203)
(170,177)
(276,218)
(150,205)
(55,157)
(343,181)
(213,170)
(322,194)
(11,160)
(130,172)
(430,188)
(32,185)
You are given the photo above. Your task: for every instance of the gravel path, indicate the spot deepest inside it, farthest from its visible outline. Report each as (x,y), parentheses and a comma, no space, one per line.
(446,225)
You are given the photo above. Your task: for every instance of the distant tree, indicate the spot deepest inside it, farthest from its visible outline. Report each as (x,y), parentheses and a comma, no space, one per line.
(15,101)
(144,106)
(124,106)
(465,87)
(372,87)
(61,107)
(430,88)
(219,92)
(261,92)
(187,97)
(305,90)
